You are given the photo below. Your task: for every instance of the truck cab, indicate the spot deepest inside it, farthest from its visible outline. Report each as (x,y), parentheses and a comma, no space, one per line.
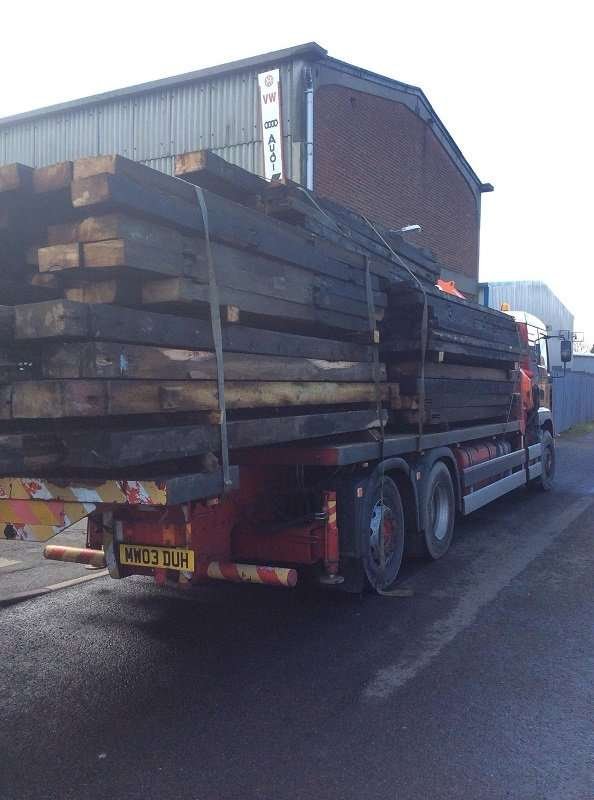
(537,337)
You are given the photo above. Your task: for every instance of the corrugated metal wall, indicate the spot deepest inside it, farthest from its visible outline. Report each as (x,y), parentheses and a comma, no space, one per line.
(536,298)
(219,113)
(573,399)
(583,362)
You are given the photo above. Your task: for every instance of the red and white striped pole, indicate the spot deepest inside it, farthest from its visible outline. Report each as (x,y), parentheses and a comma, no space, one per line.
(249,573)
(77,555)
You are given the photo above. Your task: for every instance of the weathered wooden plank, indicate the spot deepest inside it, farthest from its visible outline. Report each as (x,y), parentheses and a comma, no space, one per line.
(65,233)
(59,257)
(451,415)
(11,454)
(58,399)
(450,371)
(109,449)
(63,319)
(14,291)
(122,226)
(249,271)
(118,291)
(144,176)
(137,255)
(435,387)
(176,292)
(113,360)
(207,169)
(454,401)
(347,305)
(463,349)
(46,280)
(15,178)
(53,177)
(121,253)
(7,317)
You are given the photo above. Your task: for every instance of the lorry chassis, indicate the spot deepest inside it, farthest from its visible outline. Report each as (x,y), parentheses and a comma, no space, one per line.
(345,513)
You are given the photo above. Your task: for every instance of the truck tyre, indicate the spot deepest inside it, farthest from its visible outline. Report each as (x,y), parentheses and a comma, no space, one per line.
(382,532)
(440,511)
(545,480)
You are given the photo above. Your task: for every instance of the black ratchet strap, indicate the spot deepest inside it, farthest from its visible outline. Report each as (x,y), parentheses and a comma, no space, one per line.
(376,362)
(217,336)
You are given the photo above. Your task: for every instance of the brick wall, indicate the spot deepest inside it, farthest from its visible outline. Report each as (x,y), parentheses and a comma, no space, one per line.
(378,157)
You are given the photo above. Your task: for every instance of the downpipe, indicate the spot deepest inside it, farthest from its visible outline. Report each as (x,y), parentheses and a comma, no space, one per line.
(309,130)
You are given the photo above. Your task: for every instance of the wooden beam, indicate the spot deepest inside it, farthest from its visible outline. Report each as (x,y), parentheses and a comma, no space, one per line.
(449,371)
(123,226)
(53,177)
(114,290)
(175,292)
(58,399)
(109,449)
(119,253)
(207,169)
(59,257)
(15,178)
(113,360)
(142,175)
(7,323)
(63,319)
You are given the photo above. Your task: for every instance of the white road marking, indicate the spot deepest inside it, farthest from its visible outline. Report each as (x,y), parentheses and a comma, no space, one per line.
(414,658)
(6,562)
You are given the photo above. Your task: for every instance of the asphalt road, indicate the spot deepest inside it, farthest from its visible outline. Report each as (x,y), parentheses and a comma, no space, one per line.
(24,571)
(480,685)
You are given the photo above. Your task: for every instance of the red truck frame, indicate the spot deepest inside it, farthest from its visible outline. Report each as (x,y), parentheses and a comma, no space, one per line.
(343,513)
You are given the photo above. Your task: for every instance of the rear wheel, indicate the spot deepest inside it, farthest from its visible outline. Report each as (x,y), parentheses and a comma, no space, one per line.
(440,511)
(383,535)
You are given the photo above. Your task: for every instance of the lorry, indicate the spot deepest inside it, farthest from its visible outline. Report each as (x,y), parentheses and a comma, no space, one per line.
(343,510)
(369,401)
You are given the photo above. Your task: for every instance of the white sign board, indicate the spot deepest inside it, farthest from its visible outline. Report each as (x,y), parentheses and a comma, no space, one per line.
(272,137)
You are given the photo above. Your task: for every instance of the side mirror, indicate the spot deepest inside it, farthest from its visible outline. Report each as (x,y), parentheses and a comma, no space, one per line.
(566,350)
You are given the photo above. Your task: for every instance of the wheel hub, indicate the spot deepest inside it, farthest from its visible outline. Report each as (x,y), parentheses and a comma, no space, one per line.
(439,512)
(382,534)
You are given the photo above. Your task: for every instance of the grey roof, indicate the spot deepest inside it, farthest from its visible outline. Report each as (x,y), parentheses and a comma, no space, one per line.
(309,51)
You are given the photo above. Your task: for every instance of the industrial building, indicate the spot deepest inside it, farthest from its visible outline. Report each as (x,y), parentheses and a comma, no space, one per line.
(584,362)
(365,140)
(536,298)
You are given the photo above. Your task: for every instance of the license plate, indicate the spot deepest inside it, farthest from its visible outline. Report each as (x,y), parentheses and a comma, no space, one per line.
(140,555)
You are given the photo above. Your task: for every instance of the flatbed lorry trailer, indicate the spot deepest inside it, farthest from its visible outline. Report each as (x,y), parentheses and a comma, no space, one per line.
(343,510)
(95,383)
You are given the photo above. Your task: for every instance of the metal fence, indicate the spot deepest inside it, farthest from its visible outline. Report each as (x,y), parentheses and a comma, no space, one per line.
(573,399)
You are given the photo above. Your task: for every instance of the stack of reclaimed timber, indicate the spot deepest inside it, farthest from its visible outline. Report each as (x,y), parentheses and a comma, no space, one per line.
(107,358)
(113,369)
(471,355)
(321,218)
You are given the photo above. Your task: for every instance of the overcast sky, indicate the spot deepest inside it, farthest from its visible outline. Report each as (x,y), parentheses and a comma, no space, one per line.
(509,80)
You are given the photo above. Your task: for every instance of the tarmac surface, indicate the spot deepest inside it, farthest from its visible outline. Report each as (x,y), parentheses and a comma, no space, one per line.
(24,572)
(480,685)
